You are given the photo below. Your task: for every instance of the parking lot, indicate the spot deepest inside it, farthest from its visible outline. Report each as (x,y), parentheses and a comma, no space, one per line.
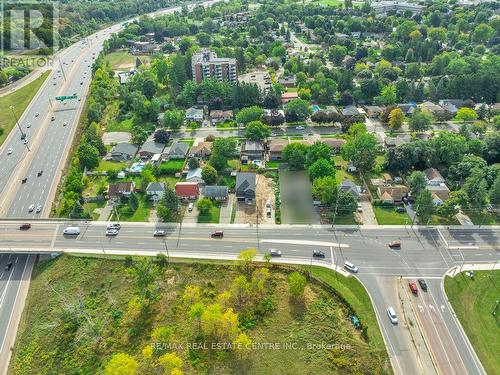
(259,77)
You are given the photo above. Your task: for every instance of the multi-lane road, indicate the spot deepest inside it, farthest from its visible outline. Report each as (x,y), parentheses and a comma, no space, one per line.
(425,253)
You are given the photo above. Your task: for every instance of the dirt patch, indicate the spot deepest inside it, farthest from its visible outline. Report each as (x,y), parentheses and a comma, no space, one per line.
(247,214)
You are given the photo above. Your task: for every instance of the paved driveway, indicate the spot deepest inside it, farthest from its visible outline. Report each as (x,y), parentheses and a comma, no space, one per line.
(190,217)
(226,209)
(368,216)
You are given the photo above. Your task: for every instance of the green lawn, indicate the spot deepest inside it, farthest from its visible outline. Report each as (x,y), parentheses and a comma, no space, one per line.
(484,218)
(211,217)
(20,100)
(356,296)
(142,212)
(345,220)
(389,216)
(123,60)
(233,164)
(439,220)
(171,167)
(122,126)
(273,164)
(473,301)
(106,165)
(90,207)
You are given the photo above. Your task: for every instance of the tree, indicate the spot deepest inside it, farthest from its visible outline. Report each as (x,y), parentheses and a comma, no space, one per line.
(318,150)
(417,182)
(249,114)
(295,155)
(173,118)
(388,95)
(325,189)
(346,203)
(449,147)
(204,205)
(168,205)
(88,156)
(257,131)
(361,150)
(476,188)
(245,259)
(121,364)
(193,163)
(424,205)
(396,119)
(297,110)
(162,136)
(209,174)
(495,192)
(482,33)
(169,362)
(466,114)
(296,284)
(243,346)
(420,121)
(321,168)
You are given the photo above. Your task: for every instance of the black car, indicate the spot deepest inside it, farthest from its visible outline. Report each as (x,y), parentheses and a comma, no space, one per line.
(24,180)
(422,284)
(318,254)
(25,226)
(8,266)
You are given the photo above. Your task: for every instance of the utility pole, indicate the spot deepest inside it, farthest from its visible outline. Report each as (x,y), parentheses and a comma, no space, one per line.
(62,69)
(414,217)
(23,134)
(166,250)
(257,211)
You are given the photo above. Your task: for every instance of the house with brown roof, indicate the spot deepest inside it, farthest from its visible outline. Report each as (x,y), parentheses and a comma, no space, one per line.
(334,144)
(202,150)
(121,189)
(187,190)
(433,177)
(431,107)
(275,148)
(374,111)
(288,96)
(392,194)
(219,115)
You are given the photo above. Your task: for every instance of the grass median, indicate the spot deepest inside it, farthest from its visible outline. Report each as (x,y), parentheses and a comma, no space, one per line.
(474,300)
(20,99)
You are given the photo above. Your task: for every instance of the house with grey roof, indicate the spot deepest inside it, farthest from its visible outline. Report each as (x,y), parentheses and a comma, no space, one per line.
(407,108)
(216,192)
(252,150)
(351,110)
(150,148)
(156,190)
(123,151)
(245,187)
(194,175)
(349,186)
(194,114)
(178,150)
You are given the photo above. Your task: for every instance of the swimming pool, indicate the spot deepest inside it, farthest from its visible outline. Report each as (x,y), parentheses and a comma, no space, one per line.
(315,108)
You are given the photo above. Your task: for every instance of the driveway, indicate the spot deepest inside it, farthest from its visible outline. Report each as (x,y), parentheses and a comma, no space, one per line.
(191,217)
(226,209)
(116,137)
(368,216)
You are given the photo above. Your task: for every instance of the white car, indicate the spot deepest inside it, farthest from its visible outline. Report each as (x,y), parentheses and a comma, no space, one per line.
(392,315)
(36,114)
(350,267)
(31,208)
(113,226)
(65,123)
(111,232)
(25,140)
(9,150)
(360,208)
(190,207)
(28,125)
(299,128)
(38,208)
(275,252)
(159,233)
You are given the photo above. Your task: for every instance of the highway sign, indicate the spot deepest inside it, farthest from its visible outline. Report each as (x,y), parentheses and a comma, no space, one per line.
(65,97)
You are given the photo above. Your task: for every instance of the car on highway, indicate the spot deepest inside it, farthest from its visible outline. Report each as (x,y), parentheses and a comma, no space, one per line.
(160,233)
(24,180)
(392,315)
(111,232)
(74,231)
(394,244)
(23,136)
(8,266)
(350,267)
(318,254)
(65,123)
(9,150)
(217,233)
(28,125)
(25,141)
(52,118)
(25,226)
(113,226)
(31,208)
(38,208)
(274,252)
(422,284)
(299,128)
(39,173)
(413,287)
(36,114)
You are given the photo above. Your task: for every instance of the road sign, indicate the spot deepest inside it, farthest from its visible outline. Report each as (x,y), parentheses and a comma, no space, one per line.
(65,97)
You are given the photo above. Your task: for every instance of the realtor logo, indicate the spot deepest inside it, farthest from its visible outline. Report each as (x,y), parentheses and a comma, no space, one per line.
(29,26)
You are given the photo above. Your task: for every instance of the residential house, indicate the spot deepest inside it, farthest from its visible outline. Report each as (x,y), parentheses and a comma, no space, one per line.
(194,114)
(439,193)
(252,150)
(156,190)
(432,108)
(202,150)
(288,81)
(387,178)
(245,187)
(453,105)
(397,140)
(187,190)
(178,150)
(150,148)
(407,108)
(219,115)
(288,96)
(374,111)
(331,109)
(216,192)
(388,6)
(194,175)
(351,110)
(350,187)
(275,148)
(123,77)
(392,194)
(351,168)
(334,144)
(156,159)
(123,151)
(121,189)
(433,177)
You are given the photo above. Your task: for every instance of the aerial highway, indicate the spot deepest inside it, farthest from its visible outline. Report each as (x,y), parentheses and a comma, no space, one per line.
(426,252)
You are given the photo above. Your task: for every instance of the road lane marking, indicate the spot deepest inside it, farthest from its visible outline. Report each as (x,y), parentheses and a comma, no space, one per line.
(308,243)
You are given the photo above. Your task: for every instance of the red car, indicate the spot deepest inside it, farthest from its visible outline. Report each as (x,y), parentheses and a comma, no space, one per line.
(217,233)
(395,244)
(413,287)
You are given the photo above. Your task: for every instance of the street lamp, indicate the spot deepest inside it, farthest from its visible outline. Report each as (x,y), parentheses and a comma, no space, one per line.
(17,121)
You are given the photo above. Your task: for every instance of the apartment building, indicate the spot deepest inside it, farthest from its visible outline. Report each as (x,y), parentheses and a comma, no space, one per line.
(206,64)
